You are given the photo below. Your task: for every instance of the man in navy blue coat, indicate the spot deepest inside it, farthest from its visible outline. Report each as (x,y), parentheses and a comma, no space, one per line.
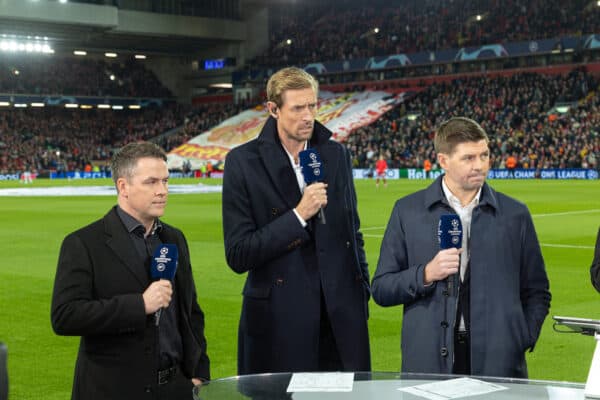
(307,288)
(489,318)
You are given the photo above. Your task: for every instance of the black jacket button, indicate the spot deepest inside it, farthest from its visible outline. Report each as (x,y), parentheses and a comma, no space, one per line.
(444,324)
(444,352)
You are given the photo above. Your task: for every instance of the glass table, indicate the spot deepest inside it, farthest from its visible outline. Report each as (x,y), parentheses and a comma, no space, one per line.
(380,386)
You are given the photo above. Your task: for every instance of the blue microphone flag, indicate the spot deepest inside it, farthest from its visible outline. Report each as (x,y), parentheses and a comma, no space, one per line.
(164,262)
(450,231)
(312,167)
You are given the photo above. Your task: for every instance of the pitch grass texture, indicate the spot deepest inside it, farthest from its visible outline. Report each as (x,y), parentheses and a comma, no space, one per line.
(566,216)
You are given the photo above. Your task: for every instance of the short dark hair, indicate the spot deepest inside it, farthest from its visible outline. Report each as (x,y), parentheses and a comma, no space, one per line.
(457,130)
(125,159)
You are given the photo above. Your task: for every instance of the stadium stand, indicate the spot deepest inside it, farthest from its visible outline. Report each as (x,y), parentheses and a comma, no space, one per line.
(517,112)
(74,76)
(325,31)
(60,139)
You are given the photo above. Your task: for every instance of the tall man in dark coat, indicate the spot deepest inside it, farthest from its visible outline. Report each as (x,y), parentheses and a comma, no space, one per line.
(140,339)
(306,293)
(485,321)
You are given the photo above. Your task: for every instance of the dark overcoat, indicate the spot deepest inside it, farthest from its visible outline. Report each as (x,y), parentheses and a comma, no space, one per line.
(98,290)
(287,264)
(509,288)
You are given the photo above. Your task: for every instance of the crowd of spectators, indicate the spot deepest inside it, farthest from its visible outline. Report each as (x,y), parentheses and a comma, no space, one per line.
(341,30)
(199,120)
(517,112)
(66,76)
(60,139)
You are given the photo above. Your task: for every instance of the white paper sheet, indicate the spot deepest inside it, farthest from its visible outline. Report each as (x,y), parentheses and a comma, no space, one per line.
(321,382)
(452,389)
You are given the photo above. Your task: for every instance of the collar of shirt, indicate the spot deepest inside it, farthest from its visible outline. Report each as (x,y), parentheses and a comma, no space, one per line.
(455,202)
(136,227)
(297,168)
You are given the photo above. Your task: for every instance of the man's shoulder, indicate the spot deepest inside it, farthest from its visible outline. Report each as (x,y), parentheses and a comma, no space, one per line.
(168,228)
(90,231)
(508,204)
(244,150)
(412,204)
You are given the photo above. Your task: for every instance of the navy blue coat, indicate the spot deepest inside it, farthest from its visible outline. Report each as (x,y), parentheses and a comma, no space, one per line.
(287,264)
(509,288)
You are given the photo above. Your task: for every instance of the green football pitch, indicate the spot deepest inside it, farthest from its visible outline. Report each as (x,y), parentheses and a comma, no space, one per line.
(566,216)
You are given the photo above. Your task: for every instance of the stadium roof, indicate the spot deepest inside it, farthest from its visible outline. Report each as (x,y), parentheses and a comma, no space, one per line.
(66,36)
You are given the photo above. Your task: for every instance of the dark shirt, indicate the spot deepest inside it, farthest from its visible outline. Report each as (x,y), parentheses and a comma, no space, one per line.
(169,338)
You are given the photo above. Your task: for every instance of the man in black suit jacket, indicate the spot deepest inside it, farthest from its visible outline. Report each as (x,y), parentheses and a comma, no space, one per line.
(306,293)
(103,292)
(595,269)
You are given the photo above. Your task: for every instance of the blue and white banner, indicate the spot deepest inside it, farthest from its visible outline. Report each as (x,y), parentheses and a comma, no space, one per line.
(568,173)
(79,175)
(488,51)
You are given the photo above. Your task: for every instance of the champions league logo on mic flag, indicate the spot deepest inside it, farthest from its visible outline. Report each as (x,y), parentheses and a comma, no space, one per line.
(311,165)
(164,262)
(450,231)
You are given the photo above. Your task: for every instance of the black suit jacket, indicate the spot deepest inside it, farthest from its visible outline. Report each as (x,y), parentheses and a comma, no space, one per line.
(595,269)
(98,296)
(287,264)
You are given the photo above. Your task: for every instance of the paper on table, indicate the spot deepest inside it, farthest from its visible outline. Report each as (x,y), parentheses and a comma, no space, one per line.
(452,389)
(321,382)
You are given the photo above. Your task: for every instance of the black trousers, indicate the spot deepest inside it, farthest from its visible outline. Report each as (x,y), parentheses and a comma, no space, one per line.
(177,388)
(462,354)
(329,356)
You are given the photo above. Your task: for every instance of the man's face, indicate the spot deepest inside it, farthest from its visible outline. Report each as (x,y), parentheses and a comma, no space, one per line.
(467,167)
(144,194)
(296,117)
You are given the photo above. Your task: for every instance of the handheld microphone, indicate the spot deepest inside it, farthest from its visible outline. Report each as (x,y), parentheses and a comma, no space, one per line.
(163,266)
(313,171)
(450,235)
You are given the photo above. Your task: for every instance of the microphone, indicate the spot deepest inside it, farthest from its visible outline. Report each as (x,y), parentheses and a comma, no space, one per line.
(450,235)
(163,266)
(313,171)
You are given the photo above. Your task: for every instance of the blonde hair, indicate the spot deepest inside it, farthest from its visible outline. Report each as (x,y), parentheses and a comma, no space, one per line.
(290,78)
(457,130)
